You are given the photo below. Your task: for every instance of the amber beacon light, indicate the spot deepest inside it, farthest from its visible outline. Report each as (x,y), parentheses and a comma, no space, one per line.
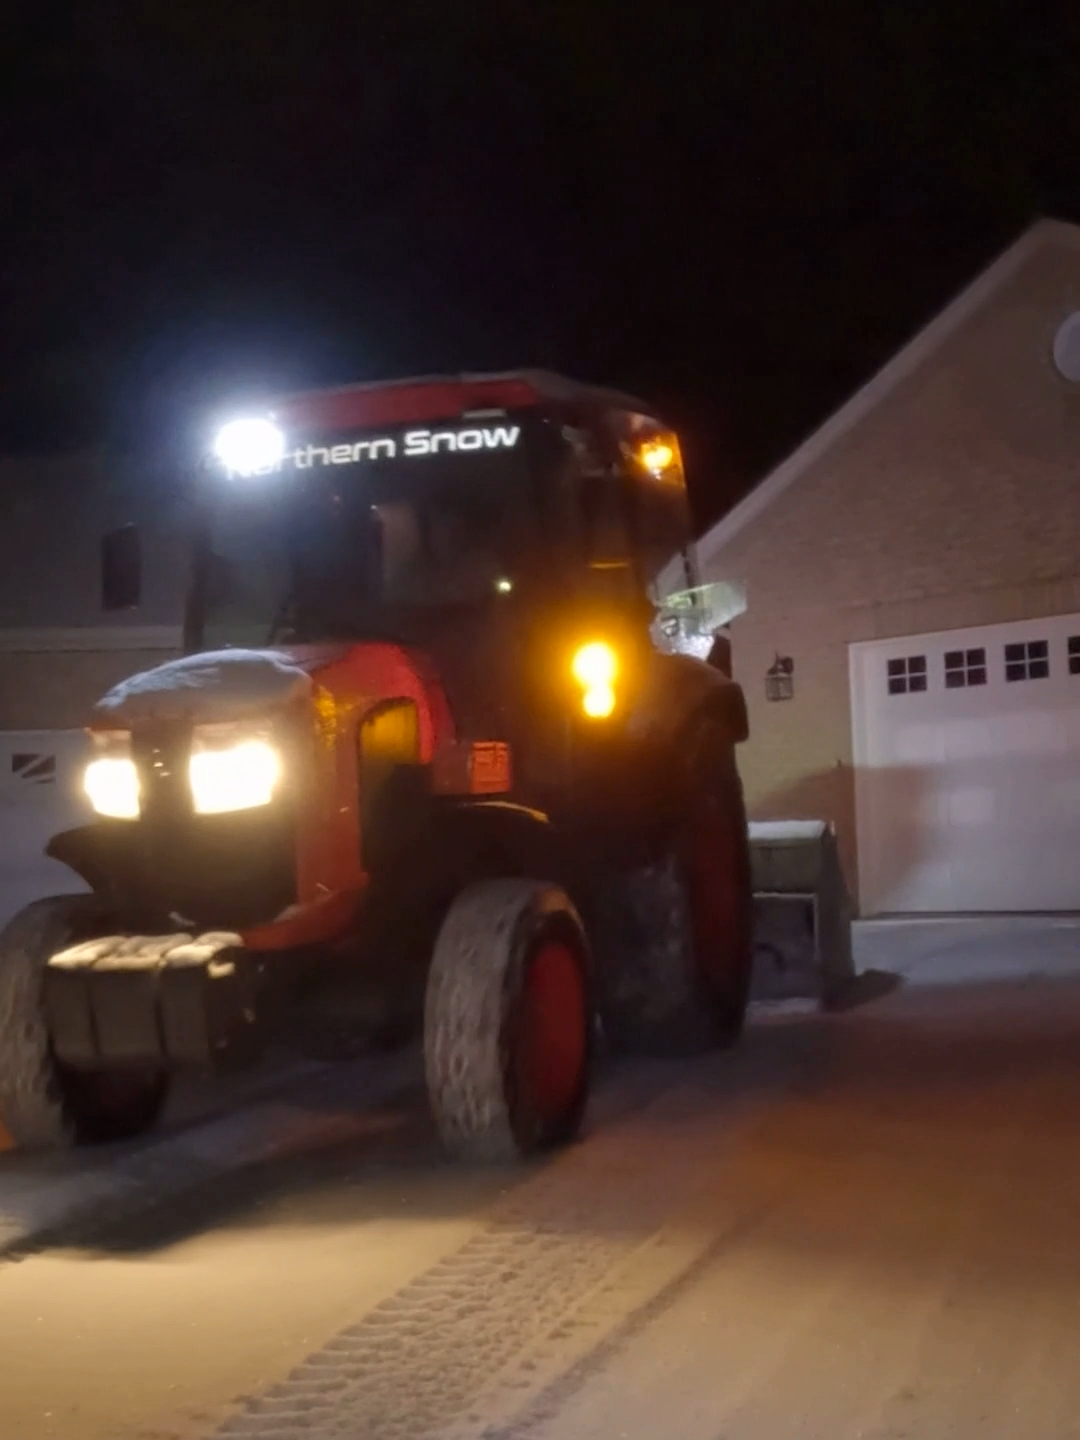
(595,667)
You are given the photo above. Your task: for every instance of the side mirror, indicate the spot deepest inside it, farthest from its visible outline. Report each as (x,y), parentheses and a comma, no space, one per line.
(121,569)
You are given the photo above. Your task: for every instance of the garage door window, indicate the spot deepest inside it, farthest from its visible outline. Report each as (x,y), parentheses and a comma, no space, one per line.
(964,667)
(34,769)
(908,675)
(1074,654)
(1028,660)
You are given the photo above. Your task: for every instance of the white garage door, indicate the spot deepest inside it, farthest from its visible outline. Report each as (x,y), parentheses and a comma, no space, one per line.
(967,769)
(40,795)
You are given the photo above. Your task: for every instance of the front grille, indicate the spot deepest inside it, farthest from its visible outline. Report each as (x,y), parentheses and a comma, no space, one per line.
(161,754)
(230,871)
(224,871)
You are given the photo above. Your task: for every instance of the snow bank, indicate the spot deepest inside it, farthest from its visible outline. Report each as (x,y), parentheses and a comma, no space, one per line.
(788,829)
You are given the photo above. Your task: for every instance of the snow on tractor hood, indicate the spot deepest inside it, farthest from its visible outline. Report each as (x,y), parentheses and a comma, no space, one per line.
(217,686)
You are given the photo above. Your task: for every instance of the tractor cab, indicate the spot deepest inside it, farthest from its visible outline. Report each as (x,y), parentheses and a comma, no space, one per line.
(422,512)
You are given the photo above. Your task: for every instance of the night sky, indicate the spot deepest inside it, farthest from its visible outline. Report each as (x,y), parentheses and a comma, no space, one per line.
(738,209)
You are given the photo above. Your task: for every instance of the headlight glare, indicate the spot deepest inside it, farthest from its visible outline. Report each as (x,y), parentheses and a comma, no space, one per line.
(598,701)
(595,664)
(112,785)
(241,776)
(250,447)
(595,667)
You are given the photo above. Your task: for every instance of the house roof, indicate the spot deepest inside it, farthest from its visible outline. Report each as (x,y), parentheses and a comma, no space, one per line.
(904,364)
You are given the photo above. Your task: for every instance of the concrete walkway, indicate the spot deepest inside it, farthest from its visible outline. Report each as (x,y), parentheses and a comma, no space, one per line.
(965,950)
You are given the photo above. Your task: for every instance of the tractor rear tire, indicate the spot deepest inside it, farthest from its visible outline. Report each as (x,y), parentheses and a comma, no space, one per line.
(43,1104)
(508,1022)
(675,936)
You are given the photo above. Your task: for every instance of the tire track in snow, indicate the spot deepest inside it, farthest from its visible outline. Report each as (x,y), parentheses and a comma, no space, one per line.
(492,1325)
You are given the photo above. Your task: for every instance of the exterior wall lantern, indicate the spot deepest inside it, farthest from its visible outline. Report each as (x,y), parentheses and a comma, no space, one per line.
(780,679)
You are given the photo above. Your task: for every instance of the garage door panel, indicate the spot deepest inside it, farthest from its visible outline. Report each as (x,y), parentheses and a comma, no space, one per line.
(902,812)
(967,793)
(40,795)
(917,744)
(971,805)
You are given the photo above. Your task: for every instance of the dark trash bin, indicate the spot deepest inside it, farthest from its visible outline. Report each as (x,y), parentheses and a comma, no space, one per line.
(802,913)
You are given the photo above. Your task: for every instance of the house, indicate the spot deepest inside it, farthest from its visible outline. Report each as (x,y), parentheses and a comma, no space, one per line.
(58,650)
(910,648)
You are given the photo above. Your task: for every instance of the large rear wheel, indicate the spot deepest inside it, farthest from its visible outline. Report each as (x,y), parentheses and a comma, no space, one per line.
(508,1021)
(675,936)
(44,1104)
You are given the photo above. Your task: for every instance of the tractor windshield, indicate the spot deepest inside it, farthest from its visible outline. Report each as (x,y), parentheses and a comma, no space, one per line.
(361,538)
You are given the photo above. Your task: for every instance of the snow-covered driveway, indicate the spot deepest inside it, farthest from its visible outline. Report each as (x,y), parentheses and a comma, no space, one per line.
(861,1225)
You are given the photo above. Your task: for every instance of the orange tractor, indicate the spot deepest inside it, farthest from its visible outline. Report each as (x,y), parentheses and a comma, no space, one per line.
(442,755)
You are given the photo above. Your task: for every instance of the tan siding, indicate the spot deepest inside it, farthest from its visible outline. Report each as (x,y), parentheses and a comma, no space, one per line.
(56,691)
(955,503)
(797,763)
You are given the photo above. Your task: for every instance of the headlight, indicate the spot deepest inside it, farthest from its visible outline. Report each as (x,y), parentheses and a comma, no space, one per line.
(113,788)
(595,667)
(250,447)
(111,781)
(238,776)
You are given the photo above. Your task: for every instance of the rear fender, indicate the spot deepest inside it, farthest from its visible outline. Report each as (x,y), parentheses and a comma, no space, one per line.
(681,689)
(728,706)
(685,693)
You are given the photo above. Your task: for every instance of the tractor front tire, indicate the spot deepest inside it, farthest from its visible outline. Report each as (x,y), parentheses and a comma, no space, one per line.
(43,1104)
(675,936)
(508,1022)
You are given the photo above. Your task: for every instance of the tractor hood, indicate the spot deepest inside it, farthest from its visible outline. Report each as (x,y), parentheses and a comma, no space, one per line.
(220,685)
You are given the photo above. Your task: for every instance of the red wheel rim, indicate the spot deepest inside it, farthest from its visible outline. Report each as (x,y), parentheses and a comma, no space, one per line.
(713,881)
(554,1034)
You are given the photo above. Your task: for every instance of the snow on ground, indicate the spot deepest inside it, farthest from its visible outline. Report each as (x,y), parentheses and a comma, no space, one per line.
(855,1225)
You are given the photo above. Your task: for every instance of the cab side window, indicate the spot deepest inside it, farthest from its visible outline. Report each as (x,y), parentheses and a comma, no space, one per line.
(664,538)
(607,522)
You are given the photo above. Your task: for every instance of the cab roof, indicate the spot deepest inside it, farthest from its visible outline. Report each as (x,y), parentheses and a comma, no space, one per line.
(446,397)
